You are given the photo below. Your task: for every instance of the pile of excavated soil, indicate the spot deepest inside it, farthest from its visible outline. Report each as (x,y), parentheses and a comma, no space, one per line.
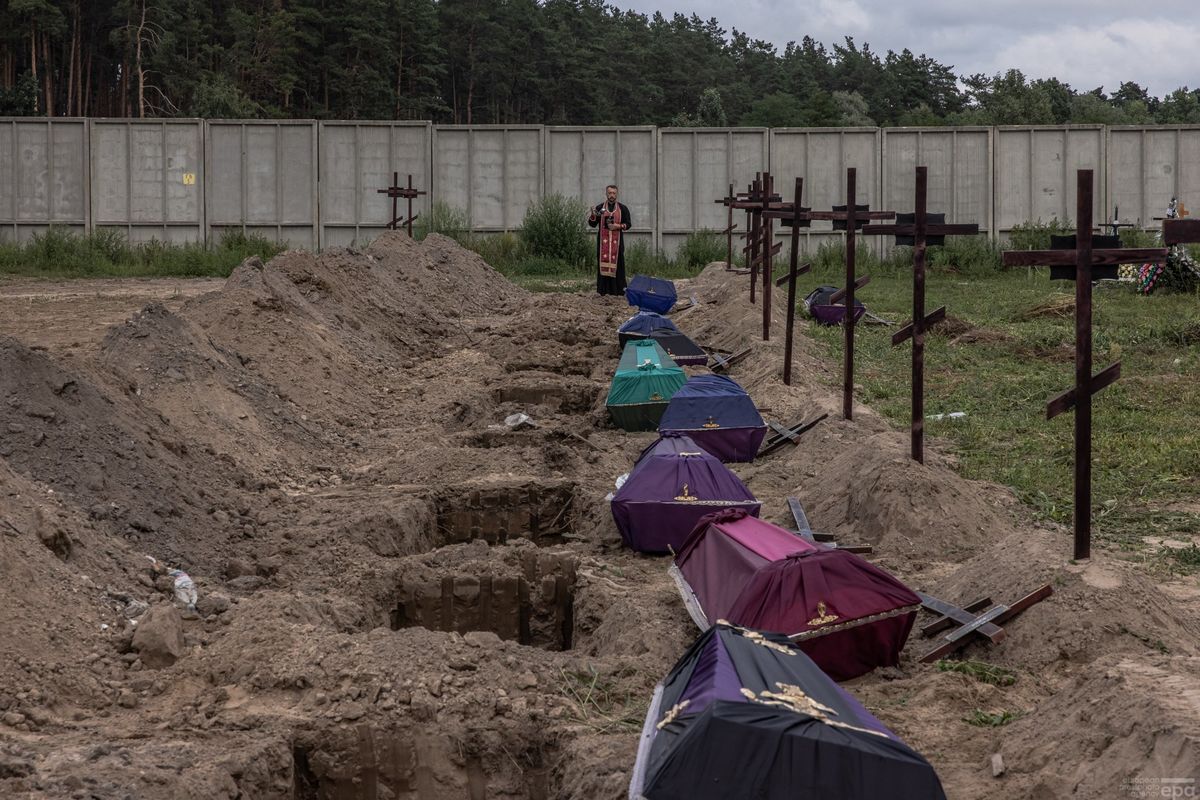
(401,596)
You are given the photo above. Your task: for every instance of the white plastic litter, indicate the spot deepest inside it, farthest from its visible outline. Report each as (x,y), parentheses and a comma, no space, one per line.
(185,588)
(951,415)
(518,421)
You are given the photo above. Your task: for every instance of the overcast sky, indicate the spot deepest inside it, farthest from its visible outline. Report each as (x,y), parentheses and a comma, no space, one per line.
(1086,43)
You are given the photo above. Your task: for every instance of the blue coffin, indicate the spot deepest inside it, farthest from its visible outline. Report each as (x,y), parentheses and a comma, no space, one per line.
(651,294)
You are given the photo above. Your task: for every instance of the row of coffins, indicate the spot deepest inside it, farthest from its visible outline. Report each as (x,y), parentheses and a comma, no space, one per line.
(752,709)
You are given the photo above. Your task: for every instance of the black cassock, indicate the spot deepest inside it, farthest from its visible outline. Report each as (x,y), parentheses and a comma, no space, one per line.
(604,284)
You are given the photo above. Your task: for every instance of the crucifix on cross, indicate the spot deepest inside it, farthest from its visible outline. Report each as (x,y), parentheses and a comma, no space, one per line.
(919,230)
(1082,257)
(849,218)
(398,192)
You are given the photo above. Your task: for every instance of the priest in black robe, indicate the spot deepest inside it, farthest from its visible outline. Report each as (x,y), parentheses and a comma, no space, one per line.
(612,219)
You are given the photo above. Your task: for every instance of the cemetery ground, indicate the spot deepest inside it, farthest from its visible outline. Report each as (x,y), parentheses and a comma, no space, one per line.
(319,442)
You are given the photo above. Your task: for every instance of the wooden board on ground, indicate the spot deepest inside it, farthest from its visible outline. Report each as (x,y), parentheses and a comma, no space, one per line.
(970,621)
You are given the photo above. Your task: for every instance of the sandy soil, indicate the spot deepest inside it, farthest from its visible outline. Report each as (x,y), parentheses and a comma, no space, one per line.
(401,598)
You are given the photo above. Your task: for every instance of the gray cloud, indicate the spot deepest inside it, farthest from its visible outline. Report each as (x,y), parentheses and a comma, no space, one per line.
(1086,43)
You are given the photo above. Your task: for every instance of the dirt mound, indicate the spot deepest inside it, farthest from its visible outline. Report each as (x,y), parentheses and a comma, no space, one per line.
(1129,724)
(122,467)
(1104,608)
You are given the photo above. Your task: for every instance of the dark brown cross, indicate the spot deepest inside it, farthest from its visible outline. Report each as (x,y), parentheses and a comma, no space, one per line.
(796,216)
(920,229)
(850,219)
(397,192)
(1114,227)
(1082,258)
(759,247)
(1181,231)
(730,226)
(977,619)
(768,248)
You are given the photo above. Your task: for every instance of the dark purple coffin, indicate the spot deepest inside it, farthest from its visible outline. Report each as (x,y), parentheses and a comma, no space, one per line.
(674,483)
(834,315)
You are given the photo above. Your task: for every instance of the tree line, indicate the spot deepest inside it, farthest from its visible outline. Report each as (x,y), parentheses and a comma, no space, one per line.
(577,62)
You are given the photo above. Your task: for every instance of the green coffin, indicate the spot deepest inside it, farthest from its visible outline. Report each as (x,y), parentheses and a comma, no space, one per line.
(645,380)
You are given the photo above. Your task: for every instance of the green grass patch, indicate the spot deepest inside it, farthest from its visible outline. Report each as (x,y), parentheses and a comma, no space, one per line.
(1183,559)
(596,702)
(107,253)
(991,719)
(980,671)
(1146,445)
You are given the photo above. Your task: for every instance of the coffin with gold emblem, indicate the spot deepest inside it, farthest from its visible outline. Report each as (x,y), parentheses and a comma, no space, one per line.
(646,380)
(847,614)
(673,484)
(719,415)
(745,713)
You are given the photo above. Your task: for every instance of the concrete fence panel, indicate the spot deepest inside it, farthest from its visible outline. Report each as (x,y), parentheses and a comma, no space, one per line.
(1147,166)
(821,156)
(1035,172)
(695,168)
(493,172)
(148,178)
(44,175)
(960,172)
(357,160)
(262,179)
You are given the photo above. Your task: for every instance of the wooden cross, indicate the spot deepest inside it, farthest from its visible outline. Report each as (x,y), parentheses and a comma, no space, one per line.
(1181,231)
(920,229)
(797,217)
(759,248)
(781,435)
(850,219)
(972,620)
(728,201)
(1114,227)
(828,539)
(396,192)
(1083,258)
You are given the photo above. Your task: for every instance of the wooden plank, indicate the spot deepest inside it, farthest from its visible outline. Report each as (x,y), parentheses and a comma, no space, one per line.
(723,364)
(1062,402)
(799,516)
(796,430)
(910,229)
(1033,598)
(1104,257)
(936,316)
(960,637)
(945,620)
(1181,231)
(840,294)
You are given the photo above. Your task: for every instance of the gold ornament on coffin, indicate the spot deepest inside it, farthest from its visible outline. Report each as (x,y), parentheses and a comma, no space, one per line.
(656,396)
(686,497)
(794,699)
(823,616)
(757,638)
(672,713)
(712,423)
